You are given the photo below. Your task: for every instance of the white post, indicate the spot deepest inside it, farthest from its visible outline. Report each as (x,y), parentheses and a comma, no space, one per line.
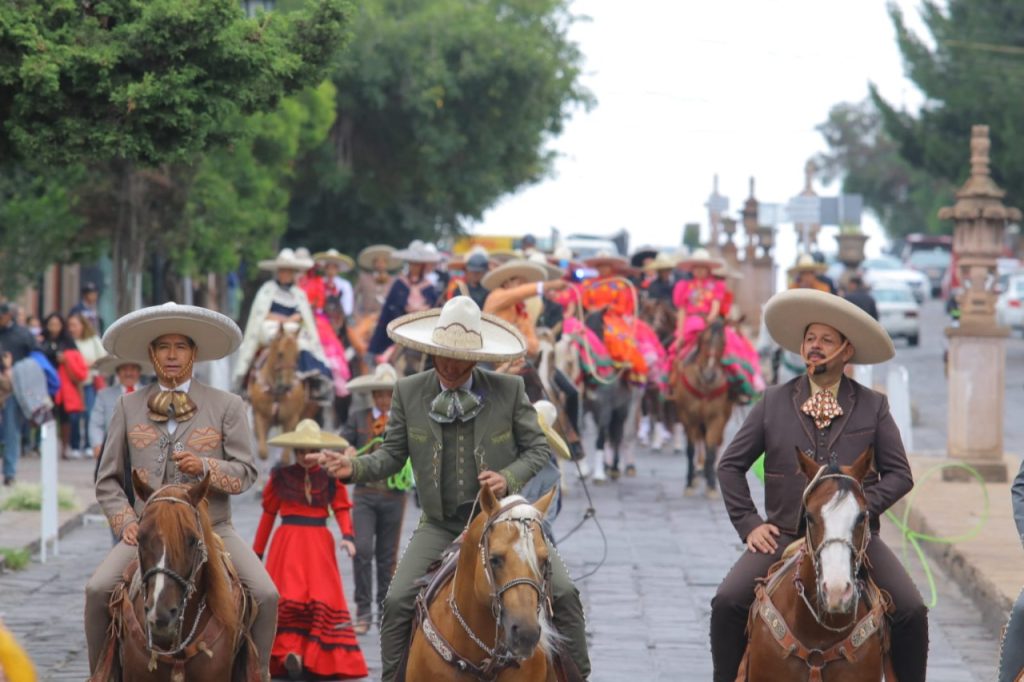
(898,389)
(48,485)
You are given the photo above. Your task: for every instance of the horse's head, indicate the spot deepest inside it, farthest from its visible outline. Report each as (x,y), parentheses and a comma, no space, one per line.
(514,570)
(837,534)
(710,349)
(173,534)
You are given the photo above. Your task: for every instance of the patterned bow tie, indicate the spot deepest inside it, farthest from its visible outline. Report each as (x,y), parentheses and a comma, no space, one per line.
(166,405)
(822,407)
(452,404)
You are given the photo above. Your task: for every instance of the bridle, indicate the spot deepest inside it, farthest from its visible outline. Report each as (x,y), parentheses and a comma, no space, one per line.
(815,552)
(188,585)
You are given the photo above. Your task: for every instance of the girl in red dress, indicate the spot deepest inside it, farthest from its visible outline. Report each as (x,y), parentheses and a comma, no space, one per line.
(315,639)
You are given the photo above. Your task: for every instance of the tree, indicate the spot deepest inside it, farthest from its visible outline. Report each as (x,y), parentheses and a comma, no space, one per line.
(866,159)
(141,89)
(443,107)
(971,71)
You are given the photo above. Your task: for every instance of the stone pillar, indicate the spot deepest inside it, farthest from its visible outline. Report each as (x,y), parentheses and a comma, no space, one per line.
(851,253)
(716,205)
(755,288)
(977,347)
(807,235)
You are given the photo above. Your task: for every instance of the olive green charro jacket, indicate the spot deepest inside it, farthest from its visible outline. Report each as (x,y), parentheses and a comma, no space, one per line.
(506,436)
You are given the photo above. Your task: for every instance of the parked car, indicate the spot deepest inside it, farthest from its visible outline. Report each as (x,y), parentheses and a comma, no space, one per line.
(933,263)
(1010,304)
(877,271)
(924,242)
(899,312)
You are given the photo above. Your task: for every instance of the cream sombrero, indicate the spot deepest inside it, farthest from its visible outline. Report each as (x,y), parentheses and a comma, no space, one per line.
(308,436)
(109,364)
(287,259)
(789,313)
(215,335)
(505,255)
(553,271)
(806,263)
(418,252)
(334,256)
(523,269)
(662,261)
(459,331)
(547,415)
(724,271)
(382,379)
(606,258)
(700,258)
(371,253)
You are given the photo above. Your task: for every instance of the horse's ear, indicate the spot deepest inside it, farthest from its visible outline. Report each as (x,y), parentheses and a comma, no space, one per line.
(807,465)
(142,489)
(544,502)
(864,463)
(488,502)
(198,491)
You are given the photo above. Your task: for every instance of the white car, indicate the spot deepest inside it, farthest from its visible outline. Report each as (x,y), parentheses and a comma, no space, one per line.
(885,269)
(1010,304)
(898,311)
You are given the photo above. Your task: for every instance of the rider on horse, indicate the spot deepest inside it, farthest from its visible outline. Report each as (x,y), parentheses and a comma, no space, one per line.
(411,292)
(510,286)
(832,419)
(176,430)
(474,267)
(610,293)
(463,427)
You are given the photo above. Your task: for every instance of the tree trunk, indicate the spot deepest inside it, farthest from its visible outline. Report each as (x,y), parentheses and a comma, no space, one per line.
(129,246)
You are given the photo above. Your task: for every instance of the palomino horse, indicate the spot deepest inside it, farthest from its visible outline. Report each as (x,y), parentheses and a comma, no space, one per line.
(181,613)
(276,392)
(701,392)
(816,617)
(487,616)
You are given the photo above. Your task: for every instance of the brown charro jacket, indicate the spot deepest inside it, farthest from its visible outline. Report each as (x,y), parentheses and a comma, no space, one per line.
(776,426)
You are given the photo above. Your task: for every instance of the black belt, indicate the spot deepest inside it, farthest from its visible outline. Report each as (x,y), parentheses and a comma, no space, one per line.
(303,521)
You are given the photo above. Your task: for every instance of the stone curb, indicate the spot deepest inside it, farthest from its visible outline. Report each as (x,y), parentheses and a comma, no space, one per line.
(69,525)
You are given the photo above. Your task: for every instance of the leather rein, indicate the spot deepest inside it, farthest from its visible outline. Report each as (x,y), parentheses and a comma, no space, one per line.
(498,658)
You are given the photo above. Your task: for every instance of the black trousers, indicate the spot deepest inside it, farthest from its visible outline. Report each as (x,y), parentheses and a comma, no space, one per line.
(731,604)
(377,518)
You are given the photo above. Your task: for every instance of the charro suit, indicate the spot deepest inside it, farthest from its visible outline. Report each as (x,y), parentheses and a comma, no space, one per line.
(776,426)
(219,432)
(446,459)
(1011,657)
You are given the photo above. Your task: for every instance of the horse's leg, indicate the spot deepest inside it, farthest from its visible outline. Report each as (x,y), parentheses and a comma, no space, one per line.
(690,452)
(261,426)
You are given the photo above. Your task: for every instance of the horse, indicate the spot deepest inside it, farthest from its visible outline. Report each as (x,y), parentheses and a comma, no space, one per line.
(276,392)
(181,613)
(486,614)
(816,616)
(658,409)
(700,389)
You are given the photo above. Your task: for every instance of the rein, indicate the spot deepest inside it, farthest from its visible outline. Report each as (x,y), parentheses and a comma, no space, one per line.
(703,395)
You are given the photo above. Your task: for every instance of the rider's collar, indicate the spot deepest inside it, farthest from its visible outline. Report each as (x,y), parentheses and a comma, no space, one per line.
(182,387)
(833,389)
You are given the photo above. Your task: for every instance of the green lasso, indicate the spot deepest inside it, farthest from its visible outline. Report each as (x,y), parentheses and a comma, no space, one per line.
(403,480)
(912,536)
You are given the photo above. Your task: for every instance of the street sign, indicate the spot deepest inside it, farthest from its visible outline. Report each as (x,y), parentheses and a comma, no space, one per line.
(804,210)
(842,210)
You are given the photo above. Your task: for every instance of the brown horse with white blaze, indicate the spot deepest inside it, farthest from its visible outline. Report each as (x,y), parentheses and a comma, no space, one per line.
(276,392)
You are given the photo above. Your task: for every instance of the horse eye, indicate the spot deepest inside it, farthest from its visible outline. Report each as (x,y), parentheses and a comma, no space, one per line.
(192,540)
(497,561)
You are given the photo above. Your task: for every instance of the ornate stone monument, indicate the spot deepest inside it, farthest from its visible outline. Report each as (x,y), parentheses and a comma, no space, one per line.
(758,282)
(977,347)
(807,234)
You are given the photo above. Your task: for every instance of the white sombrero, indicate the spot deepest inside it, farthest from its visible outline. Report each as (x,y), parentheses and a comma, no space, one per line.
(524,269)
(372,253)
(287,259)
(789,313)
(334,256)
(459,331)
(806,263)
(309,436)
(215,335)
(547,415)
(700,258)
(109,364)
(606,258)
(383,379)
(418,252)
(553,271)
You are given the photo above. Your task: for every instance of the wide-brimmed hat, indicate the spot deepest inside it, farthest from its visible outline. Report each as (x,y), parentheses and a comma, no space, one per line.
(789,313)
(383,379)
(308,436)
(606,258)
(640,255)
(371,253)
(553,271)
(700,258)
(216,336)
(725,271)
(547,415)
(805,263)
(459,331)
(287,259)
(418,252)
(662,261)
(343,262)
(109,364)
(503,256)
(523,269)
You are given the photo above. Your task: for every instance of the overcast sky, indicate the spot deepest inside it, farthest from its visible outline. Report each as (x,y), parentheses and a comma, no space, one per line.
(687,89)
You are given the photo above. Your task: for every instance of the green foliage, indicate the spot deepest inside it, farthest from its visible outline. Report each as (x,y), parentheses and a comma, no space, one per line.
(15,559)
(443,107)
(971,71)
(29,497)
(867,160)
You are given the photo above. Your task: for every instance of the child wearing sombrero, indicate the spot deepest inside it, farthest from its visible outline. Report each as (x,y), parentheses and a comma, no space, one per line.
(314,629)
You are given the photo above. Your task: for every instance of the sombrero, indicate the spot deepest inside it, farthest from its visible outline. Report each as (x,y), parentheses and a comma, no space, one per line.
(606,258)
(109,364)
(662,261)
(806,263)
(372,253)
(724,271)
(383,379)
(789,313)
(547,415)
(505,255)
(642,254)
(215,335)
(418,252)
(553,271)
(308,436)
(287,259)
(700,258)
(523,269)
(334,256)
(459,331)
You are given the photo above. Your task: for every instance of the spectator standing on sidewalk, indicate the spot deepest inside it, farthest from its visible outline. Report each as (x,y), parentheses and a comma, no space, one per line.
(89,345)
(88,308)
(62,352)
(16,341)
(858,294)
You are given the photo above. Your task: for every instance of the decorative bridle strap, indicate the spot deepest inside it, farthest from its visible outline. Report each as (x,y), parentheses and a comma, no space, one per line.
(703,395)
